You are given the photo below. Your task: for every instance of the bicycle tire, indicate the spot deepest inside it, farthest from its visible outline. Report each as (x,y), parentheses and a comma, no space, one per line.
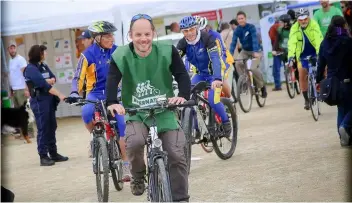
(116,173)
(160,175)
(242,80)
(187,125)
(101,149)
(288,85)
(311,87)
(216,147)
(297,87)
(258,97)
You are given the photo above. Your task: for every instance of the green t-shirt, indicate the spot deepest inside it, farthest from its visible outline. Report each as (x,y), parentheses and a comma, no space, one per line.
(144,80)
(324,18)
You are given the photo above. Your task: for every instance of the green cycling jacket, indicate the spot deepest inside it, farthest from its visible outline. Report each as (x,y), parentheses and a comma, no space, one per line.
(296,39)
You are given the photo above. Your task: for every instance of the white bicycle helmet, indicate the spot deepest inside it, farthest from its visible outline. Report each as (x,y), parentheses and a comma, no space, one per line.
(202,22)
(302,13)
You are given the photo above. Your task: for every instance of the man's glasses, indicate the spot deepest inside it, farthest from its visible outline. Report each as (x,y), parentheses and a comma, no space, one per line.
(141,16)
(343,7)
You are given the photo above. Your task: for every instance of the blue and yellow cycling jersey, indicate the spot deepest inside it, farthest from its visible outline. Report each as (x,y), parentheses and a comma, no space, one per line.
(226,56)
(92,70)
(204,55)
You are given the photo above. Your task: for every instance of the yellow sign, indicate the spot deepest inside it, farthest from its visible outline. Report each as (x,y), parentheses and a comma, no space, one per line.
(159,26)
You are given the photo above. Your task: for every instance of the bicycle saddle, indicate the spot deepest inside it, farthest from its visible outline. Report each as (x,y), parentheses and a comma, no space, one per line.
(200,87)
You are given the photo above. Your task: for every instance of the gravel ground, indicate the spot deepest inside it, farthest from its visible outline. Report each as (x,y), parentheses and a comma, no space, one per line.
(282,154)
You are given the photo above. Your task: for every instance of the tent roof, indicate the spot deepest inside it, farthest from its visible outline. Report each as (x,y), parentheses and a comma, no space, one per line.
(30,17)
(21,17)
(173,7)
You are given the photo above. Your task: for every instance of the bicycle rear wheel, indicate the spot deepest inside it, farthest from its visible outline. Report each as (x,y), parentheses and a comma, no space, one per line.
(313,99)
(102,169)
(218,141)
(187,124)
(244,93)
(290,85)
(116,164)
(160,183)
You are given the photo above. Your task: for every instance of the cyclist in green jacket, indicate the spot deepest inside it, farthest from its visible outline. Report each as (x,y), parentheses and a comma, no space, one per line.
(304,40)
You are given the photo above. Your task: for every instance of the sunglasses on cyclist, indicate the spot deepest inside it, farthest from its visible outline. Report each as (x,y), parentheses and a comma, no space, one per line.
(141,16)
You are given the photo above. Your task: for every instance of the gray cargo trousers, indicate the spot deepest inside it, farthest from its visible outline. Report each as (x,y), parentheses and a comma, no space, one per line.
(173,143)
(257,74)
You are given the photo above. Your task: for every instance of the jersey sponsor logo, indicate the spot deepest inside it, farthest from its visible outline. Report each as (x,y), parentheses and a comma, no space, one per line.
(146,94)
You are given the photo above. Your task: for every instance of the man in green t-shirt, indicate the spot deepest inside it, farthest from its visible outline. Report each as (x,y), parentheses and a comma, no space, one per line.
(146,69)
(323,16)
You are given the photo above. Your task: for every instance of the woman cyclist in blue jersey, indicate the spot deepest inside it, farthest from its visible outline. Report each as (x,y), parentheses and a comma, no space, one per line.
(91,74)
(202,51)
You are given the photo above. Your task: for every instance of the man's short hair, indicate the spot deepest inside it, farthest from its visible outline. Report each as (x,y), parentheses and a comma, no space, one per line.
(173,26)
(234,22)
(241,13)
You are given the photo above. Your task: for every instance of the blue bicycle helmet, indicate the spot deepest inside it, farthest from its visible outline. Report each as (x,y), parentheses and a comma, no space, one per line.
(187,22)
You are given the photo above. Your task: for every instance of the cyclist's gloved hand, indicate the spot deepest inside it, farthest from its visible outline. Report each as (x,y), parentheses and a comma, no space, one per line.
(72,98)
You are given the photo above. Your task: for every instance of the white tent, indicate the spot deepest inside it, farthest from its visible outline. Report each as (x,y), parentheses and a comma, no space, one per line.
(165,8)
(31,17)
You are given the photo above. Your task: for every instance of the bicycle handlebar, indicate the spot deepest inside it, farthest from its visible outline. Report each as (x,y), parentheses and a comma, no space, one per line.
(78,101)
(162,106)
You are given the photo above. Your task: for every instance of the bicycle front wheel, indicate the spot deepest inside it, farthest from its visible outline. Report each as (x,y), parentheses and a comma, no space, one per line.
(102,169)
(160,183)
(244,93)
(219,142)
(116,164)
(290,85)
(313,99)
(187,124)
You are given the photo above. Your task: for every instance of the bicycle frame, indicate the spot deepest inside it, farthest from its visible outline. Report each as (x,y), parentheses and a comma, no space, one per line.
(102,127)
(248,71)
(213,118)
(312,71)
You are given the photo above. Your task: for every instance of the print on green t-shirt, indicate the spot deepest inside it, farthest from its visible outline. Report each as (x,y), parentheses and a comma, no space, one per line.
(324,18)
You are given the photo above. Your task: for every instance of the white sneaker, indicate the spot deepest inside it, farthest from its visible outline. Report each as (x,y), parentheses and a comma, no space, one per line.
(126,174)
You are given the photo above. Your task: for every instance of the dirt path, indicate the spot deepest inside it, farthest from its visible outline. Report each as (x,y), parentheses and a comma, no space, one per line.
(281,155)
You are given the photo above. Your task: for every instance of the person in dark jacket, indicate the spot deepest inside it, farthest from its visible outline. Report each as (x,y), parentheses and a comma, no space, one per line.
(335,52)
(40,81)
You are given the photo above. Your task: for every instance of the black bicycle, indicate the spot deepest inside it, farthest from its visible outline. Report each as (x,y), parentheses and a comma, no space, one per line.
(209,124)
(158,180)
(246,88)
(106,149)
